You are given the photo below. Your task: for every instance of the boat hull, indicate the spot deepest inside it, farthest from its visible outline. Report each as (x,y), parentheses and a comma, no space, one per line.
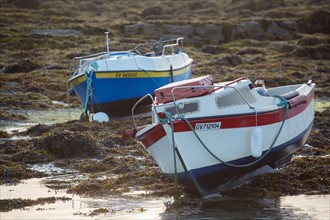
(115,93)
(220,177)
(230,143)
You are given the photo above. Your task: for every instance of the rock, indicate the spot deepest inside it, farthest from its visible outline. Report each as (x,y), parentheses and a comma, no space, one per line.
(92,30)
(37,130)
(311,40)
(229,60)
(23,66)
(87,6)
(281,46)
(174,31)
(256,5)
(155,11)
(248,29)
(274,31)
(263,29)
(195,5)
(298,75)
(199,34)
(4,134)
(61,32)
(316,52)
(213,49)
(68,144)
(140,28)
(166,31)
(211,32)
(316,22)
(31,4)
(243,5)
(289,25)
(322,69)
(250,50)
(256,59)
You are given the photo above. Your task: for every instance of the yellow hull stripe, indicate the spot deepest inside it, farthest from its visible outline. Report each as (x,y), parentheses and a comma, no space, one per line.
(129,74)
(77,81)
(138,74)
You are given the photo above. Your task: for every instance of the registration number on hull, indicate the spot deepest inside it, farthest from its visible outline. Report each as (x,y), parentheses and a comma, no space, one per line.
(208,126)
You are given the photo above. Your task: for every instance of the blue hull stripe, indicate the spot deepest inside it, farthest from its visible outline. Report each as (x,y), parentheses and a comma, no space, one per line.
(107,90)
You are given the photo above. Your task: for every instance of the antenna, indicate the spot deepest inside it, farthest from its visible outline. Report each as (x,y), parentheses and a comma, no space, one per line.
(107,40)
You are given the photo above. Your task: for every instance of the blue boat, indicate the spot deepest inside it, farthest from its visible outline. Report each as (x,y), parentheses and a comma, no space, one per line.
(112,81)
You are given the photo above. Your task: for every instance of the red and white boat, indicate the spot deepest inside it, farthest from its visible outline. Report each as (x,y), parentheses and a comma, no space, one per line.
(216,136)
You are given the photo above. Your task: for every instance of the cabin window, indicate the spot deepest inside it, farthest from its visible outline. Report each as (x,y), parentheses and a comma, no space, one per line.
(183,108)
(232,98)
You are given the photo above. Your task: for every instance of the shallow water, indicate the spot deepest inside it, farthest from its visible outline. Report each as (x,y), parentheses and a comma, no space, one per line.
(288,207)
(131,207)
(322,104)
(35,117)
(126,207)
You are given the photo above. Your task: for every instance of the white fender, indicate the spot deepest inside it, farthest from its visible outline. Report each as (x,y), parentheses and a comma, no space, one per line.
(256,142)
(100,117)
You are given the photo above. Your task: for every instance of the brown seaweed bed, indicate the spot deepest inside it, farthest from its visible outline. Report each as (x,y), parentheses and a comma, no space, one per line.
(117,165)
(268,39)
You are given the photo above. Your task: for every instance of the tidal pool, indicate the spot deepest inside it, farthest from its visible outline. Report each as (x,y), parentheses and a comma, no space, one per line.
(35,117)
(77,207)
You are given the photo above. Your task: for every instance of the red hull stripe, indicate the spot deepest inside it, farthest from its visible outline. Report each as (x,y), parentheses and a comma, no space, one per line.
(241,121)
(152,136)
(158,132)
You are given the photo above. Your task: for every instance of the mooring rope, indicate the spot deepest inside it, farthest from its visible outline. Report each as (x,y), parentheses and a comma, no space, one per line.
(177,199)
(170,118)
(88,91)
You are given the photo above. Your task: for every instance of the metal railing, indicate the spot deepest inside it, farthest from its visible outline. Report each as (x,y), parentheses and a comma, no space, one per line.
(162,45)
(138,102)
